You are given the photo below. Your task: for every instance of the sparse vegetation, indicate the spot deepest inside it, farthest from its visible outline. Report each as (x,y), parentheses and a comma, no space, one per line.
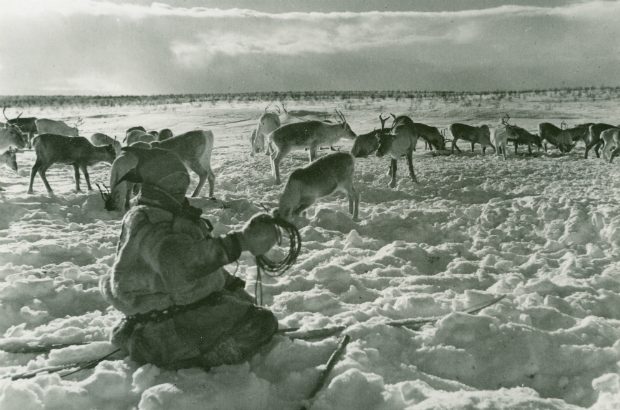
(468,98)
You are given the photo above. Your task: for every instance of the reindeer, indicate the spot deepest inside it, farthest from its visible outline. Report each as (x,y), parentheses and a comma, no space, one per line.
(194,148)
(46,126)
(563,138)
(475,135)
(401,140)
(499,138)
(137,127)
(9,158)
(26,125)
(366,144)
(103,139)
(267,123)
(428,133)
(12,136)
(134,136)
(611,143)
(593,138)
(165,134)
(518,135)
(307,134)
(326,175)
(77,151)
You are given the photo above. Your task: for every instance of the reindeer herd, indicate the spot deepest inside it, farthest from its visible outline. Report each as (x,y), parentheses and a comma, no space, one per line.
(277,134)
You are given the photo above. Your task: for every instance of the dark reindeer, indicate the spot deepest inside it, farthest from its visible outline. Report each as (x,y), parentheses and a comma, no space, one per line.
(76,151)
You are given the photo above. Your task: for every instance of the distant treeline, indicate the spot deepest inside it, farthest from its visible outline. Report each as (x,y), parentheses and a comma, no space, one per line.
(467,97)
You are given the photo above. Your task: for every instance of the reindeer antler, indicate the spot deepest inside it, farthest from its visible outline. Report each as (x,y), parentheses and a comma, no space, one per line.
(563,125)
(3,110)
(79,122)
(505,119)
(108,201)
(340,115)
(383,120)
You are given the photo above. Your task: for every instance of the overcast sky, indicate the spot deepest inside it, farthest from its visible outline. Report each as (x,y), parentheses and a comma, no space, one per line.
(181,46)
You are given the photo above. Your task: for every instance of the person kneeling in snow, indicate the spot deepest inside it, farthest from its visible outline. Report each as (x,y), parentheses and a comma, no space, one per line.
(181,308)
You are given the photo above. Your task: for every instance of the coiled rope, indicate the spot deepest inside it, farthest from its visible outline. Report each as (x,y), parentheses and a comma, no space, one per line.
(277,268)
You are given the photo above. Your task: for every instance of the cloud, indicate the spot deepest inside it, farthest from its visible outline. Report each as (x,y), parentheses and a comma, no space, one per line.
(90,45)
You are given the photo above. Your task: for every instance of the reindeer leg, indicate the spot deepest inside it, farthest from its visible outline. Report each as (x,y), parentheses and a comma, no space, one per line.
(454,141)
(33,172)
(393,172)
(312,152)
(354,200)
(76,171)
(211,179)
(472,147)
(614,153)
(410,165)
(202,178)
(453,145)
(276,165)
(529,148)
(597,148)
(42,172)
(86,177)
(516,147)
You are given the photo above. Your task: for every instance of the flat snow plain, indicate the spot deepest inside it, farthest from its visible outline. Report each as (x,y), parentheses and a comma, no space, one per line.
(542,229)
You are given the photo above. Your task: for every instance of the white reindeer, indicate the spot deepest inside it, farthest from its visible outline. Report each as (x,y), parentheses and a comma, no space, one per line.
(326,175)
(306,134)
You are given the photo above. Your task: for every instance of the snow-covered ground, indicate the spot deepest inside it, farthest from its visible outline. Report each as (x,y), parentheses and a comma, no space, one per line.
(543,230)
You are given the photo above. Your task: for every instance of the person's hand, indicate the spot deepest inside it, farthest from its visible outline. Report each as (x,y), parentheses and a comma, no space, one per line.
(259,234)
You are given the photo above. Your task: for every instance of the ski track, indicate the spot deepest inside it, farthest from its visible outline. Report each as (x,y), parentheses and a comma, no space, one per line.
(543,229)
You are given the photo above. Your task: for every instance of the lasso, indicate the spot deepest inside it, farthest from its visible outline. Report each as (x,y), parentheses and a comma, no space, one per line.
(277,268)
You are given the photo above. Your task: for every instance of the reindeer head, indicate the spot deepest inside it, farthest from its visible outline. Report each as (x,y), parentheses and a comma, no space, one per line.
(9,158)
(14,135)
(108,199)
(385,144)
(348,132)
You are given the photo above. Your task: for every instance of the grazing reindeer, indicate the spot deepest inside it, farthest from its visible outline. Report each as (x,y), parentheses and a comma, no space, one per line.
(76,151)
(9,158)
(165,134)
(562,138)
(475,135)
(134,136)
(102,139)
(26,125)
(307,134)
(326,175)
(45,126)
(400,141)
(366,144)
(428,133)
(518,135)
(12,136)
(194,148)
(593,139)
(611,143)
(267,123)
